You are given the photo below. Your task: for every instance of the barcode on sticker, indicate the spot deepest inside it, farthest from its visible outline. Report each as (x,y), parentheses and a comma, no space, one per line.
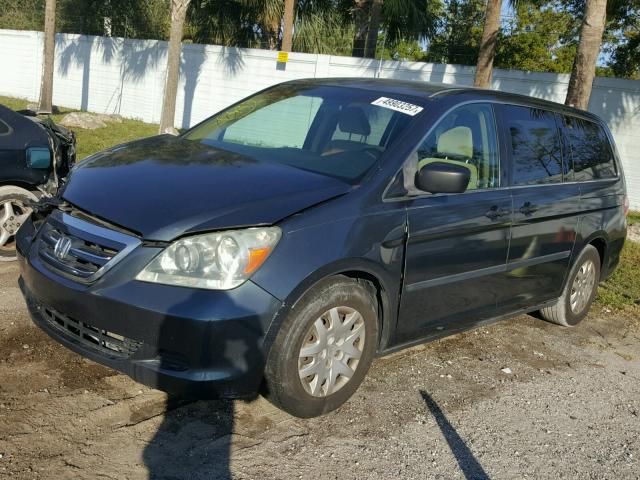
(398,105)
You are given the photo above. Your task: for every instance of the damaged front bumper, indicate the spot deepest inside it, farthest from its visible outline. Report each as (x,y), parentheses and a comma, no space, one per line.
(192,342)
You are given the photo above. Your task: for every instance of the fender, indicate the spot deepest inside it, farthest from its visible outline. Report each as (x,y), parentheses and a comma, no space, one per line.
(368,269)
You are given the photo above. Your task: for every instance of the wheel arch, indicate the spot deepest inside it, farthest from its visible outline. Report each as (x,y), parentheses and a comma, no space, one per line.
(601,245)
(29,187)
(366,272)
(600,241)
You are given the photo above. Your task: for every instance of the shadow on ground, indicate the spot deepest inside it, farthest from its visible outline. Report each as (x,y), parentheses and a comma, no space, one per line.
(193,441)
(467,462)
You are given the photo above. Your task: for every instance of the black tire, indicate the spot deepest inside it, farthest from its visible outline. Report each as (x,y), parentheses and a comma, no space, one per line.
(284,387)
(18,197)
(562,313)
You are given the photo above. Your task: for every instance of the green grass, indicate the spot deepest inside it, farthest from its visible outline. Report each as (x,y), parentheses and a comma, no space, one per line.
(633,218)
(92,141)
(621,291)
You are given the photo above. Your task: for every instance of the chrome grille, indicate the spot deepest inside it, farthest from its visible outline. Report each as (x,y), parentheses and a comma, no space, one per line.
(78,249)
(83,258)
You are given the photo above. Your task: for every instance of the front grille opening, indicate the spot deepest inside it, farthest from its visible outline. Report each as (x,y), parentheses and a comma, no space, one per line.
(83,259)
(102,340)
(78,249)
(108,252)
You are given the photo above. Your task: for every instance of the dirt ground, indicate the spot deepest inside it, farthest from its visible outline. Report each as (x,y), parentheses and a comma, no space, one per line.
(568,409)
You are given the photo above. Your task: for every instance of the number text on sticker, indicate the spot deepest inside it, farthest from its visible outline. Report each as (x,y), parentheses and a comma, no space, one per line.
(398,105)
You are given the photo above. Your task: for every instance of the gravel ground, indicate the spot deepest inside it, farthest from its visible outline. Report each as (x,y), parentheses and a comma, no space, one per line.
(450,409)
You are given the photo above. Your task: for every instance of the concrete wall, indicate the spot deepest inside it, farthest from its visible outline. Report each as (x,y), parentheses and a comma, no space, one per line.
(115,75)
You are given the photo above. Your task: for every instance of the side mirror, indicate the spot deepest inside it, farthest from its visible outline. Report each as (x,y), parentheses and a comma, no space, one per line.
(443,177)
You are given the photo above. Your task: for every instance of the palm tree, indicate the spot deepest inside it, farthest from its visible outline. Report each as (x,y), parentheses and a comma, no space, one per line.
(402,20)
(375,16)
(488,44)
(46,88)
(584,64)
(268,16)
(287,29)
(310,35)
(360,13)
(178,15)
(410,19)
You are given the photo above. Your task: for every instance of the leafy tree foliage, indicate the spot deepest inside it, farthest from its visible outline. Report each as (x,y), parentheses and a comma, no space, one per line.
(22,14)
(624,38)
(409,50)
(541,35)
(541,39)
(626,56)
(458,34)
(123,18)
(310,35)
(405,20)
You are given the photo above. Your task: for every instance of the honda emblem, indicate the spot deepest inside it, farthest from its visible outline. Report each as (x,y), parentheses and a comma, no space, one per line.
(62,247)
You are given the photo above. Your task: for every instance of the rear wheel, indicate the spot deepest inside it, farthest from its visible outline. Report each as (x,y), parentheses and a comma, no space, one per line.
(323,349)
(13,213)
(579,292)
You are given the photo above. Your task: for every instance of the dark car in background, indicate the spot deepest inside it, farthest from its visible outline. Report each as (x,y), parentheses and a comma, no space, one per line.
(282,244)
(35,156)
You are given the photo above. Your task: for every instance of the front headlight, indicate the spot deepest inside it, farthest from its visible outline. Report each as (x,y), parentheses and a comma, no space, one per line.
(215,261)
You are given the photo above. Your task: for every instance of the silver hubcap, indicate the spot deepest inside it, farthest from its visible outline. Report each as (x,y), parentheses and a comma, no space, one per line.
(12,215)
(582,286)
(331,351)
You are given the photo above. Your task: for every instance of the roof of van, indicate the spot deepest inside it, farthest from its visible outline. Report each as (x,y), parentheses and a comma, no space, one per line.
(431,89)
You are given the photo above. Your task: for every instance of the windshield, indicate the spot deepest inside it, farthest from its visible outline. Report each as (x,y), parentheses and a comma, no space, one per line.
(334,131)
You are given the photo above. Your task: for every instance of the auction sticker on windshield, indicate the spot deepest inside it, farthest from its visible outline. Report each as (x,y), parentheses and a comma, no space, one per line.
(398,105)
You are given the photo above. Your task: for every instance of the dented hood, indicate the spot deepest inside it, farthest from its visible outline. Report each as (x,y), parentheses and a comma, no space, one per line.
(164,187)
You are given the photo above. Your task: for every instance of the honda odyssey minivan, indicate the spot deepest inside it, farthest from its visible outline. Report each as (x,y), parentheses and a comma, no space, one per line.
(282,244)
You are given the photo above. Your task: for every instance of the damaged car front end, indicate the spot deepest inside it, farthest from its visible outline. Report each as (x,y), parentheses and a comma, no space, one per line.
(35,158)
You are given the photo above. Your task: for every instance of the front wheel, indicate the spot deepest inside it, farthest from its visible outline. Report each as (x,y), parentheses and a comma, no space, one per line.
(324,348)
(13,213)
(579,292)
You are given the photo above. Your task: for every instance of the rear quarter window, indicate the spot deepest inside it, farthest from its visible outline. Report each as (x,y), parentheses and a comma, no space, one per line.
(591,152)
(535,145)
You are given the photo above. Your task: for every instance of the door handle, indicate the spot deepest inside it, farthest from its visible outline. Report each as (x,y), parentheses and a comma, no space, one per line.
(395,238)
(528,208)
(495,212)
(393,243)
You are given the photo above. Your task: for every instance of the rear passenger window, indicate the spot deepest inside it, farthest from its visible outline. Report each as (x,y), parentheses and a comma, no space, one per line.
(535,145)
(590,149)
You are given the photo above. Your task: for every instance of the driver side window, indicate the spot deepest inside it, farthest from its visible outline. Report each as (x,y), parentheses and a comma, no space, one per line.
(465,137)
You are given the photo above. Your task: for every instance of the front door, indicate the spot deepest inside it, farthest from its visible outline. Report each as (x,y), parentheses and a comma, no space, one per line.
(457,244)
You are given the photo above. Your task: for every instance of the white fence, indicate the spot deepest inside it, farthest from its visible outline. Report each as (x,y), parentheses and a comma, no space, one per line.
(115,75)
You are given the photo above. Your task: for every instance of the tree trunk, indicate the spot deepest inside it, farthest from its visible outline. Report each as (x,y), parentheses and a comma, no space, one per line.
(46,87)
(374,27)
(584,64)
(178,15)
(287,33)
(487,52)
(361,17)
